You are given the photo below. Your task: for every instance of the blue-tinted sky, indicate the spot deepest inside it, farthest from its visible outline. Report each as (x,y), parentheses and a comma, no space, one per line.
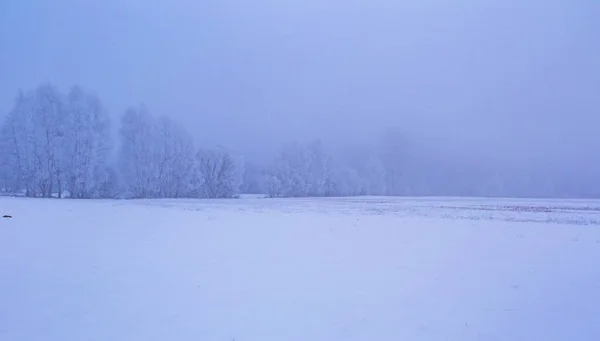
(516,79)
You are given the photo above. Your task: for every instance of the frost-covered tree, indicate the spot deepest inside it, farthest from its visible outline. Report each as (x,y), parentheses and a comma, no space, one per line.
(137,157)
(320,175)
(156,156)
(272,185)
(33,139)
(50,119)
(175,158)
(55,143)
(302,170)
(88,144)
(15,167)
(217,174)
(291,169)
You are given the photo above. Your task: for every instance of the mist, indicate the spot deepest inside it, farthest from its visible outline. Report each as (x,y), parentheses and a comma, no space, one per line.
(511,86)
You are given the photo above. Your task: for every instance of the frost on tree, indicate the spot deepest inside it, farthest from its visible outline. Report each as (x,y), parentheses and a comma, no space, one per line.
(156,156)
(49,133)
(15,143)
(301,170)
(174,154)
(137,155)
(34,137)
(217,174)
(321,176)
(54,144)
(291,171)
(87,146)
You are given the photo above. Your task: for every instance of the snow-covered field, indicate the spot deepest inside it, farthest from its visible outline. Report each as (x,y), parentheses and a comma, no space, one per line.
(300,269)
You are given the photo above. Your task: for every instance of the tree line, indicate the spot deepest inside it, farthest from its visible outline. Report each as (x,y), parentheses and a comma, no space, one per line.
(55,144)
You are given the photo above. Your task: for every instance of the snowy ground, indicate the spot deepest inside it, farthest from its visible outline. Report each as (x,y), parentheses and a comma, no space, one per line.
(307,270)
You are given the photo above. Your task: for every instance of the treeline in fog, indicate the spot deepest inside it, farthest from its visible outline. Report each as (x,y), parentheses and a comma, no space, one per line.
(56,144)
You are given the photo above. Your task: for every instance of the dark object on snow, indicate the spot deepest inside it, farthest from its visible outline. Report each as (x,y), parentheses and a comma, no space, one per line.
(7,216)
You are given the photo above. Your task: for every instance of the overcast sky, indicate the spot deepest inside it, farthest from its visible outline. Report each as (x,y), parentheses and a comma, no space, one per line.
(516,79)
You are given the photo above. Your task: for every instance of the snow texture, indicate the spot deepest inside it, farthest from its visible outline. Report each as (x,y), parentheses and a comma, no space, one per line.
(325,269)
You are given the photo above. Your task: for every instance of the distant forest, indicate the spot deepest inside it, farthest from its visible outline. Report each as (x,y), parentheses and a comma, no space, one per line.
(56,144)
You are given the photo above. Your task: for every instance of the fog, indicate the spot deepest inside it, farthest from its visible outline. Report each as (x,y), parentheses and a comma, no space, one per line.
(512,83)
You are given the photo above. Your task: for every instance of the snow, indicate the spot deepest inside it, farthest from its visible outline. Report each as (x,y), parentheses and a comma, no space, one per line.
(257,269)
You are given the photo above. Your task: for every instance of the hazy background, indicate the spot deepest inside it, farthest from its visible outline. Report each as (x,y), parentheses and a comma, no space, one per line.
(516,82)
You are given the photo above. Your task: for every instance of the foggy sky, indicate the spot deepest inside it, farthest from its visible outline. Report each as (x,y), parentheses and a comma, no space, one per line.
(512,80)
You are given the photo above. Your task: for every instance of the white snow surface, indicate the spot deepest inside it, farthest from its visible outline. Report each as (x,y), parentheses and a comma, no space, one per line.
(332,269)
